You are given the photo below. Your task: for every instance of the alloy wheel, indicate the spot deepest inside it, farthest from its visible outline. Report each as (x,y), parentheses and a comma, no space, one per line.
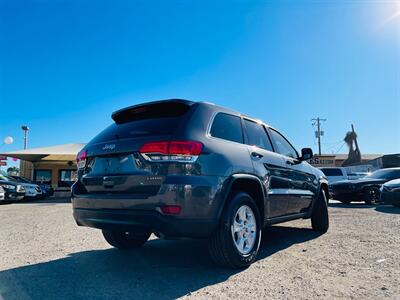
(244,229)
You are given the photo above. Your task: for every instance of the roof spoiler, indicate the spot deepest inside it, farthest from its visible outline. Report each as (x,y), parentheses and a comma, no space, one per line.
(154,109)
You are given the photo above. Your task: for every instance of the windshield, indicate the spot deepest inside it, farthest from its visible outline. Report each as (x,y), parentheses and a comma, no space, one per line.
(7,178)
(385,174)
(332,172)
(21,179)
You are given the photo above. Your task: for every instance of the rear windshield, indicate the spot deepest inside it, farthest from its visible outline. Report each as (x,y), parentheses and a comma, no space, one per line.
(160,119)
(169,109)
(332,172)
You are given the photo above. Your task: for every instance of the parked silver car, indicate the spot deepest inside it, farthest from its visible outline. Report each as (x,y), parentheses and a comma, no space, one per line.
(32,191)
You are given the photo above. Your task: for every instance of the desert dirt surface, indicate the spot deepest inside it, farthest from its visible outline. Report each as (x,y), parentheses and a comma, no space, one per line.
(44,255)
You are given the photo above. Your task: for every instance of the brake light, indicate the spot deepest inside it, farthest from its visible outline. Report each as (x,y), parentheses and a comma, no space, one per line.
(171,209)
(155,147)
(81,159)
(181,151)
(81,155)
(185,148)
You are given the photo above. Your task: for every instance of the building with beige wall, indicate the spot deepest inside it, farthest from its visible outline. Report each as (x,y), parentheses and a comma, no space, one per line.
(55,165)
(336,160)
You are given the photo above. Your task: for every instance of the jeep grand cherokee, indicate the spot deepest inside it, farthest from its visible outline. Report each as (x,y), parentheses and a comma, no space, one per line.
(179,168)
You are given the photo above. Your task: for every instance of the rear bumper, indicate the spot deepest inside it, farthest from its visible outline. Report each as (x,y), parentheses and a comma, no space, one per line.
(200,198)
(126,220)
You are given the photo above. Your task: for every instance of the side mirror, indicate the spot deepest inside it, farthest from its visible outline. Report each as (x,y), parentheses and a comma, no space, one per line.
(306,154)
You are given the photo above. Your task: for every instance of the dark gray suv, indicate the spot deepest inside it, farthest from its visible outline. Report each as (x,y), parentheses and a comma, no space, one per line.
(178,168)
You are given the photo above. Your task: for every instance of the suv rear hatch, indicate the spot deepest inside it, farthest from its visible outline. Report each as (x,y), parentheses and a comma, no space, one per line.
(111,162)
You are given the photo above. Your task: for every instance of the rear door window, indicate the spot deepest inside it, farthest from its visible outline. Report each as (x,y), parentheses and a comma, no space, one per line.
(256,135)
(227,127)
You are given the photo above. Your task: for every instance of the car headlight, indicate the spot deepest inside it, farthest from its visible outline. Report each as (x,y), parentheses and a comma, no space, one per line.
(9,186)
(20,188)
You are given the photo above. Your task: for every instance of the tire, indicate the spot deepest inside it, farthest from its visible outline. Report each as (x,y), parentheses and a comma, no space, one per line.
(372,196)
(319,214)
(236,240)
(345,201)
(125,240)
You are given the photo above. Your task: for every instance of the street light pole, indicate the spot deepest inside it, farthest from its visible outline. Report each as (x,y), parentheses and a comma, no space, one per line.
(25,129)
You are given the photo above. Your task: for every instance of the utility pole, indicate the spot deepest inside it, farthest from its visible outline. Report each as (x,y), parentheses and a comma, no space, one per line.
(25,129)
(317,121)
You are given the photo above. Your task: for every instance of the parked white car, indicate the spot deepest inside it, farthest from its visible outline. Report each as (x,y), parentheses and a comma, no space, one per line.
(335,174)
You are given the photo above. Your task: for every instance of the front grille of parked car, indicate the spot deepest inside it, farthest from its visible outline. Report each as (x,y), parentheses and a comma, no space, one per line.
(343,186)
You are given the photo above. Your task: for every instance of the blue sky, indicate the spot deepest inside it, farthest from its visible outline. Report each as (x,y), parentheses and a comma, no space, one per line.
(66,65)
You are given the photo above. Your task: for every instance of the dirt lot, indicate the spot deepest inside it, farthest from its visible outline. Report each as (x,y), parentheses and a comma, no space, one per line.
(44,255)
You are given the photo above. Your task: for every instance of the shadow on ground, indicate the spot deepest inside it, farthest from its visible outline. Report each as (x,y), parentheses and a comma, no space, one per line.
(350,205)
(47,201)
(160,270)
(389,209)
(380,207)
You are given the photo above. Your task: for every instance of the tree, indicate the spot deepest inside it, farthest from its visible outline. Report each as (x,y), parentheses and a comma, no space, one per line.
(13,170)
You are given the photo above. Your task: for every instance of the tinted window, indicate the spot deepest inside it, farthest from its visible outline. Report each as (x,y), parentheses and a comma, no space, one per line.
(150,120)
(227,127)
(256,135)
(21,179)
(385,174)
(332,172)
(170,109)
(5,178)
(282,146)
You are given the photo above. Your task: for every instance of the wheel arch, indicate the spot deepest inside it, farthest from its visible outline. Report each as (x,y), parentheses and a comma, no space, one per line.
(249,184)
(324,186)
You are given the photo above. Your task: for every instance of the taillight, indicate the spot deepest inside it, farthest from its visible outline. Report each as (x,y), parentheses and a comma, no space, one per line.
(171,209)
(155,147)
(81,159)
(180,151)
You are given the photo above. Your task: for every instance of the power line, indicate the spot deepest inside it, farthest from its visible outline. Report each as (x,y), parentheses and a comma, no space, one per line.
(340,147)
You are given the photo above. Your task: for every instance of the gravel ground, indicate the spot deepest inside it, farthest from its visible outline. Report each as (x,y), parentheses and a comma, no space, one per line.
(44,255)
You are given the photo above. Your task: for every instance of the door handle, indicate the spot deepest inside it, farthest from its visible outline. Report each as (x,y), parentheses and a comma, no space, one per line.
(256,155)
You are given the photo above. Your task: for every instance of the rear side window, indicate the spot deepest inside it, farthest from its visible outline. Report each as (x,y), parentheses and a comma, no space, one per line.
(145,120)
(332,172)
(256,135)
(227,127)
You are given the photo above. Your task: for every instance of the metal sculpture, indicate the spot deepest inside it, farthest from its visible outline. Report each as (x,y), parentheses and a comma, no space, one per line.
(354,151)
